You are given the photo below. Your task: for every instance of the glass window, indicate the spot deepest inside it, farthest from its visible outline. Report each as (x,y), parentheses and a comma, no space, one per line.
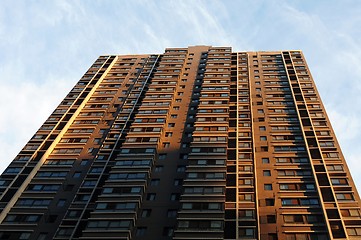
(24,236)
(172,213)
(151,196)
(140,231)
(146,213)
(154,182)
(268,187)
(61,203)
(270,202)
(168,231)
(174,197)
(158,168)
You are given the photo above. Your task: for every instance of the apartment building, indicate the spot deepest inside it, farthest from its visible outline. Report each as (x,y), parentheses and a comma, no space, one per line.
(195,143)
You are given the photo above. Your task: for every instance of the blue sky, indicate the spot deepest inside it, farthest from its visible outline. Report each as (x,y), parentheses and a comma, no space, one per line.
(46,46)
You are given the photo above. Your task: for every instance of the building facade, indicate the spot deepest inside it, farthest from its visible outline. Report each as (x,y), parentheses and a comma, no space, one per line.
(196,143)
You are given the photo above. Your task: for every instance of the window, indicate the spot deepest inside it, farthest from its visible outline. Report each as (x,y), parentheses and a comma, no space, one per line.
(89,183)
(262,128)
(344,196)
(205,175)
(168,134)
(202,206)
(140,231)
(162,156)
(354,231)
(166,144)
(112,206)
(44,187)
(146,213)
(168,231)
(272,236)
(289,149)
(266,173)
(92,150)
(107,224)
(12,170)
(21,218)
(51,174)
(247,232)
(200,224)
(132,163)
(83,198)
(271,218)
(42,236)
(264,149)
(172,213)
(246,214)
(73,140)
(158,168)
(178,182)
(24,236)
(66,151)
(300,202)
(174,197)
(65,232)
(32,202)
(294,173)
(268,187)
(22,158)
(290,202)
(181,169)
(246,197)
(77,175)
(61,203)
(263,138)
(84,162)
(265,160)
(297,218)
(270,201)
(154,182)
(335,168)
(127,176)
(339,181)
(170,125)
(350,213)
(151,196)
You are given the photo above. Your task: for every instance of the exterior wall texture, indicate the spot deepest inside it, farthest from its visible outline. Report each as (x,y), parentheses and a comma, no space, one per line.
(195,143)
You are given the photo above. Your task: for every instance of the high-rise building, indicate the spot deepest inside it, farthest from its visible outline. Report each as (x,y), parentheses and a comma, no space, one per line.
(195,143)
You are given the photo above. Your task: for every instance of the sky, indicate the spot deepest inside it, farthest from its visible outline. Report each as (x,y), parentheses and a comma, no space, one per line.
(46,46)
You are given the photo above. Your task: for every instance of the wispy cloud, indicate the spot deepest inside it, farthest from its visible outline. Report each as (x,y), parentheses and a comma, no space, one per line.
(25,107)
(334,57)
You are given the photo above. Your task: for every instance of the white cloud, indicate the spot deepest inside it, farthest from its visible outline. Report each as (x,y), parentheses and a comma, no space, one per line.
(26,106)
